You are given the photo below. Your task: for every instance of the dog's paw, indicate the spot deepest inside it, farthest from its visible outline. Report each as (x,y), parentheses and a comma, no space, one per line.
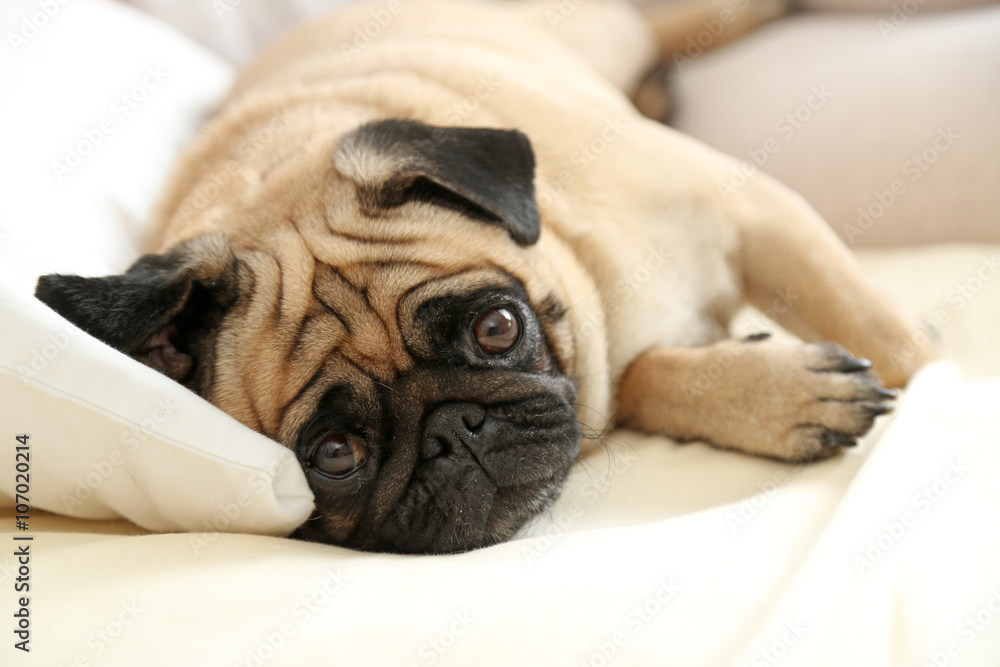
(811,400)
(846,397)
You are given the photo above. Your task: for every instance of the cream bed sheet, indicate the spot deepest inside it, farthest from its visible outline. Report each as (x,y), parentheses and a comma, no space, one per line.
(657,554)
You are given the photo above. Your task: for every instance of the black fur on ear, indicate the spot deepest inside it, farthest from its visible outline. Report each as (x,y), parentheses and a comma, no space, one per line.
(161,310)
(484,174)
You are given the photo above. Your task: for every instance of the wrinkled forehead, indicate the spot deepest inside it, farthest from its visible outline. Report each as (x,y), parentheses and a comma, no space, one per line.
(344,312)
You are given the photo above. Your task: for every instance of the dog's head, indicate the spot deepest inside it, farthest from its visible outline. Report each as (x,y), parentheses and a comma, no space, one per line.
(389,319)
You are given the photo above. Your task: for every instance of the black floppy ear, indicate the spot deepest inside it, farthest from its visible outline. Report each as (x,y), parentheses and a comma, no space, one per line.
(160,310)
(485,174)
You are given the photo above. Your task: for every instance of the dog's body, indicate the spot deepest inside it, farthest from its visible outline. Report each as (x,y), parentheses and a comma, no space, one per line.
(314,259)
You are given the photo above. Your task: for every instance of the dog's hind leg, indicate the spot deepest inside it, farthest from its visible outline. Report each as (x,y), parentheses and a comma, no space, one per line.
(627,43)
(611,35)
(705,24)
(685,29)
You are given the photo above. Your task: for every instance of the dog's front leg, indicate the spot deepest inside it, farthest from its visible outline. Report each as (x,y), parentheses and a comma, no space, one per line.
(789,401)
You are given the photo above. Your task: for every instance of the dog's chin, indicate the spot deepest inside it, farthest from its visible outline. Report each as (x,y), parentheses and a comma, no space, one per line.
(439,525)
(425,522)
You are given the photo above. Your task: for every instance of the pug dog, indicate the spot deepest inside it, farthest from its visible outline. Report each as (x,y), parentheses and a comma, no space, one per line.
(428,245)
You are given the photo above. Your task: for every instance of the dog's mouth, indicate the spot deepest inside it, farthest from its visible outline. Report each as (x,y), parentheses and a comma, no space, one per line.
(494,518)
(483,473)
(465,476)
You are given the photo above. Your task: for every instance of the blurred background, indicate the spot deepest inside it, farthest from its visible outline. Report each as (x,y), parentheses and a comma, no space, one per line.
(884,114)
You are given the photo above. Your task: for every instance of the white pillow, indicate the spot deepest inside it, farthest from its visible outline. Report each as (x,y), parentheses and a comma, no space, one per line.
(100,101)
(236,29)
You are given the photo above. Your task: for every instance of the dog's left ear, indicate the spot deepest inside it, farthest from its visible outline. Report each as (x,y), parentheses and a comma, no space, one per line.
(484,174)
(160,310)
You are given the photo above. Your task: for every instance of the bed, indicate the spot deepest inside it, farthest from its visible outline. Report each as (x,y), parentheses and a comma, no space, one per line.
(155,520)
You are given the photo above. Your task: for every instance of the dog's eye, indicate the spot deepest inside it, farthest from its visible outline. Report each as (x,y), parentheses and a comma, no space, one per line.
(339,455)
(496,331)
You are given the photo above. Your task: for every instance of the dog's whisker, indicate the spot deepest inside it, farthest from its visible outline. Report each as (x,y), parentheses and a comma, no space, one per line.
(604,418)
(382,384)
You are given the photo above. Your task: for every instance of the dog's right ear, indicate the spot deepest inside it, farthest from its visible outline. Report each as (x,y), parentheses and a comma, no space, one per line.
(483,173)
(159,311)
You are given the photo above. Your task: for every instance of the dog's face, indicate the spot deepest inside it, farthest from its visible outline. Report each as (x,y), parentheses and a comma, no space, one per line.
(391,320)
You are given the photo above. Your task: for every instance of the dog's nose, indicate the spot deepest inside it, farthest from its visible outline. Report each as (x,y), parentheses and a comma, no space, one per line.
(451,429)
